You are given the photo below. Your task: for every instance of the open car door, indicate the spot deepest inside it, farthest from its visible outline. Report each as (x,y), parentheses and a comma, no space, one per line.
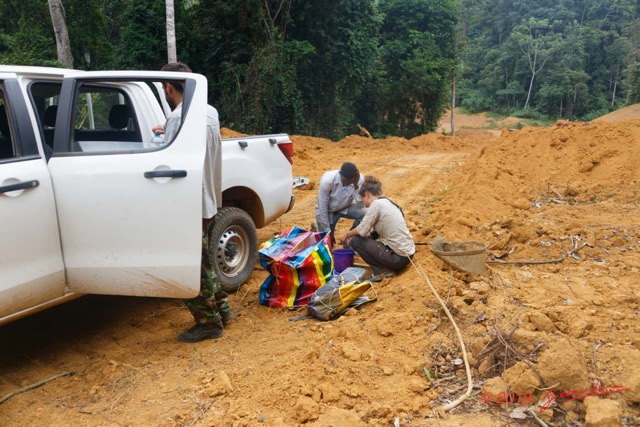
(31,269)
(130,214)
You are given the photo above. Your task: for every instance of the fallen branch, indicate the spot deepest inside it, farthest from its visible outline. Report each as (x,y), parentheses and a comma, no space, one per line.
(542,423)
(364,131)
(550,261)
(32,386)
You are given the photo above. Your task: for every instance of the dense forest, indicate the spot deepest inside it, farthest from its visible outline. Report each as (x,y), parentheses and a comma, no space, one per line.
(324,67)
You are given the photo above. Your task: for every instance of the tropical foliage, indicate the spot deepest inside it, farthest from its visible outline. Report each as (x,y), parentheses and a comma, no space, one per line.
(324,67)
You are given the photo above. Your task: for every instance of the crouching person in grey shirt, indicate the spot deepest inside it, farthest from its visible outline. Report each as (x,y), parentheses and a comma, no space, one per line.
(382,238)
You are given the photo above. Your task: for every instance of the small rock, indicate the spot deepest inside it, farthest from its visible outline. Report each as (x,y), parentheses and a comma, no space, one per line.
(524,276)
(571,191)
(562,363)
(541,321)
(416,385)
(329,393)
(306,409)
(351,352)
(602,412)
(306,390)
(521,203)
(482,288)
(577,324)
(493,387)
(485,366)
(225,381)
(385,329)
(521,378)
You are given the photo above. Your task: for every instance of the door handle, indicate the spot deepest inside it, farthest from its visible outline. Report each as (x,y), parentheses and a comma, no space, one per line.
(19,186)
(166,174)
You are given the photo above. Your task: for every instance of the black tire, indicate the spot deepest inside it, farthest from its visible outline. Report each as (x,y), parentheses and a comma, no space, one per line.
(233,247)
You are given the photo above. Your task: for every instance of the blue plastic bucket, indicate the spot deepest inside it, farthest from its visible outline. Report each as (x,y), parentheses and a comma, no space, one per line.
(342,259)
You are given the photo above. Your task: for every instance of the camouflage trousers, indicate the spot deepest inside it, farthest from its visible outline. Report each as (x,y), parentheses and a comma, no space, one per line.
(212,304)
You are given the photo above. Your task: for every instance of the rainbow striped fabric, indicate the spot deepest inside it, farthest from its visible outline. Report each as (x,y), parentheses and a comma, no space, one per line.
(299,262)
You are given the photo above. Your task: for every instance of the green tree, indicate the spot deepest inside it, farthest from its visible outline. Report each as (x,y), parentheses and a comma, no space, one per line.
(26,34)
(417,60)
(334,77)
(539,44)
(141,43)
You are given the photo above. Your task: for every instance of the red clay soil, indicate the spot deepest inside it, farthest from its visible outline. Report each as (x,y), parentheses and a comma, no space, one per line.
(560,330)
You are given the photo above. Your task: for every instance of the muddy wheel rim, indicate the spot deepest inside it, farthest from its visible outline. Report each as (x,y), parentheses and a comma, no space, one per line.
(232,250)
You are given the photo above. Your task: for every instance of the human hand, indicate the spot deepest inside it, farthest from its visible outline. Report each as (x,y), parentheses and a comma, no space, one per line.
(158,129)
(344,240)
(356,180)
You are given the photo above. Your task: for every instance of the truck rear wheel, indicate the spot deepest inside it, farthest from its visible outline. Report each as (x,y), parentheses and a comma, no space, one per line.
(233,247)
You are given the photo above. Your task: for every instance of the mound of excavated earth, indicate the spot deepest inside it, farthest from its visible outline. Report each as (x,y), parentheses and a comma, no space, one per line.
(551,328)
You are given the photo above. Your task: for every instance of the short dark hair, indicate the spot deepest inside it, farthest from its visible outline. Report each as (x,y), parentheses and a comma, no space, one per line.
(176,66)
(349,170)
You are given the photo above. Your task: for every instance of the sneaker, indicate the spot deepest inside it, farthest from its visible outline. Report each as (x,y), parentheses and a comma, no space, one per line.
(379,277)
(200,332)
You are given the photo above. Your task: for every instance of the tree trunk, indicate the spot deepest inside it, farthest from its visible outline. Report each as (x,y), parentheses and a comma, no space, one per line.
(62,35)
(453,106)
(172,56)
(561,106)
(613,98)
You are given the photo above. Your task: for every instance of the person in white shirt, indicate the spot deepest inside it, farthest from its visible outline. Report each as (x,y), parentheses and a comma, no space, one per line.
(210,308)
(382,238)
(338,197)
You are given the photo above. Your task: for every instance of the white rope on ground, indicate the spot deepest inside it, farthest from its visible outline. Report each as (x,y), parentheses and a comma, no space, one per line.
(467,368)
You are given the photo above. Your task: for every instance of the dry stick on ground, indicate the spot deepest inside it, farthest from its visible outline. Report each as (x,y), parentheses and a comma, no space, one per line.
(516,353)
(32,386)
(573,253)
(542,423)
(467,368)
(551,261)
(595,360)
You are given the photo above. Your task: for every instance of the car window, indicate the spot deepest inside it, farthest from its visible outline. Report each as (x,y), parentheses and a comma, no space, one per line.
(104,121)
(44,99)
(7,144)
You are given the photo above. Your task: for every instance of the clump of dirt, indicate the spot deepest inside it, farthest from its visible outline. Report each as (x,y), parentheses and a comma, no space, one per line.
(545,335)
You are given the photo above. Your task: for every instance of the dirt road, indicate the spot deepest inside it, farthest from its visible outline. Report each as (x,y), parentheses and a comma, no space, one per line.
(568,192)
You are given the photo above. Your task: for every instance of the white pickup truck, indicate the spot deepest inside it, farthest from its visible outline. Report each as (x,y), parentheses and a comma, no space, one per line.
(88,206)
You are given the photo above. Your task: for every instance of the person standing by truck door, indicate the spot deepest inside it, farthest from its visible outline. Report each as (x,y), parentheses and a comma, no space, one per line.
(338,198)
(210,308)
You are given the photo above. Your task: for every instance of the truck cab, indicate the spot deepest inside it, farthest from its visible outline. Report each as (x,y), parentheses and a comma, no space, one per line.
(89,206)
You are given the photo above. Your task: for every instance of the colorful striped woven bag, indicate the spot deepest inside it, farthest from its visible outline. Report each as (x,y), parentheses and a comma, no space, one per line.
(299,262)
